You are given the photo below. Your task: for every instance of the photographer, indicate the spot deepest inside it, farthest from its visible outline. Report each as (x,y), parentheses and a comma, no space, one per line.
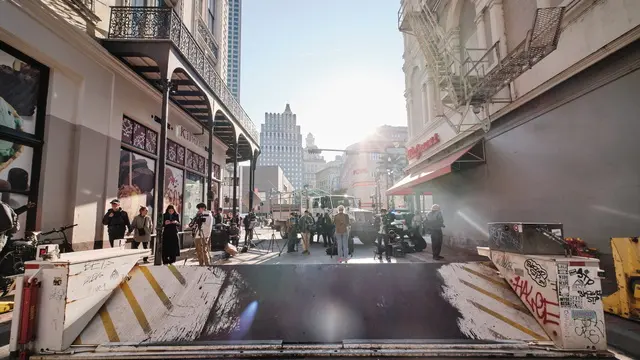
(201,227)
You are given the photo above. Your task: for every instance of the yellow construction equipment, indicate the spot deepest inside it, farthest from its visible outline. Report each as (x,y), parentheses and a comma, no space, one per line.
(626,301)
(6,306)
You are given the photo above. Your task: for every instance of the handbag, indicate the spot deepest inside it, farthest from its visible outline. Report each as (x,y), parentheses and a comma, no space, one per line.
(142,232)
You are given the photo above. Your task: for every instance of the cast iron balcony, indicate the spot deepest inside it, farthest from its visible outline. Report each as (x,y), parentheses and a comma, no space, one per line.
(160,23)
(208,39)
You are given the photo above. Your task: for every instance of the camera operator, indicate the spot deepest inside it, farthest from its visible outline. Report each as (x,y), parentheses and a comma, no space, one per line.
(201,227)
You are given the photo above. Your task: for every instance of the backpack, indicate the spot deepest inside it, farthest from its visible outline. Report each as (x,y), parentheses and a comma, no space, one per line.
(8,219)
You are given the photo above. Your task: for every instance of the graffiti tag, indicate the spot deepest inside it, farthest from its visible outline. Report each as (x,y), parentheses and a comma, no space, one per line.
(591,295)
(91,278)
(503,261)
(536,272)
(537,303)
(587,325)
(582,280)
(97,265)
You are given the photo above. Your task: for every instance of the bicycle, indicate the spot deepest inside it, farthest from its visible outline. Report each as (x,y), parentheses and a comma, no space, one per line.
(18,251)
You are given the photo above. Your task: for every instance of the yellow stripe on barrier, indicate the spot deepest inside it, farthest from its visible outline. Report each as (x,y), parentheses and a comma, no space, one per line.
(509,321)
(177,274)
(489,279)
(156,287)
(135,307)
(497,298)
(109,327)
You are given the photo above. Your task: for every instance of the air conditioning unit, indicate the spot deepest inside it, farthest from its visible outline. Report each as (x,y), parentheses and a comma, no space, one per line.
(172,3)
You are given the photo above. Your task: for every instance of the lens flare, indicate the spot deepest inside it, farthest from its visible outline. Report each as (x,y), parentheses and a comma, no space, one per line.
(246,320)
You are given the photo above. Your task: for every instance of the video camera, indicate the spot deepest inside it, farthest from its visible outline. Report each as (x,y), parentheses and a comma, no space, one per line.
(198,220)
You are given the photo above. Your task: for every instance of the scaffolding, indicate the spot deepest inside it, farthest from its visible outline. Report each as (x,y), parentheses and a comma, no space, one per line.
(466,83)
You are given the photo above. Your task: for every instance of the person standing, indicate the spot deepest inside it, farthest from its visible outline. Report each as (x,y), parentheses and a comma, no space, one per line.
(341,221)
(249,223)
(170,236)
(327,229)
(117,222)
(306,222)
(218,217)
(142,230)
(201,227)
(434,224)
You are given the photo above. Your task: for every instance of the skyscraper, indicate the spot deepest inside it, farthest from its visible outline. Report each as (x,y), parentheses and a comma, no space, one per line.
(281,142)
(233,47)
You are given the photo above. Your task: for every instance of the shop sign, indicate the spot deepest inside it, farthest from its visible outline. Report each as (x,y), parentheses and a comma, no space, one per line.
(416,151)
(183,133)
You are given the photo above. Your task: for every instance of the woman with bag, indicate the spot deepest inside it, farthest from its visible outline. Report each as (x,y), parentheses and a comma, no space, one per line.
(142,229)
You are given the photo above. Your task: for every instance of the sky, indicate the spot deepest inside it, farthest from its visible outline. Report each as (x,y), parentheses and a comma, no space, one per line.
(337,62)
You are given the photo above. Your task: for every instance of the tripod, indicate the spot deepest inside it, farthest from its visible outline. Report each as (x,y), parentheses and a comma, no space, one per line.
(272,241)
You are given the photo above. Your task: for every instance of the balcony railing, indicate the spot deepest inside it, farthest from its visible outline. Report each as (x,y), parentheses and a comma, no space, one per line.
(208,39)
(157,23)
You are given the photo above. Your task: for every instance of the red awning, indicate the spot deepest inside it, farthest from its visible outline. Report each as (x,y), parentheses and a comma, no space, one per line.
(437,169)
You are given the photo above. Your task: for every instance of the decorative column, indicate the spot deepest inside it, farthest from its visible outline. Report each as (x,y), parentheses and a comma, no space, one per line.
(498,31)
(160,170)
(431,97)
(235,179)
(407,98)
(426,104)
(210,167)
(252,166)
(481,31)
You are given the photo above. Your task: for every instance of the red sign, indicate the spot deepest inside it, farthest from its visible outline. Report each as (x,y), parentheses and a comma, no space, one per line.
(416,151)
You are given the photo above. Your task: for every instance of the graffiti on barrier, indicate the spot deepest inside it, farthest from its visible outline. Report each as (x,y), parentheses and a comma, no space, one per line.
(592,296)
(504,262)
(587,325)
(536,272)
(582,278)
(536,302)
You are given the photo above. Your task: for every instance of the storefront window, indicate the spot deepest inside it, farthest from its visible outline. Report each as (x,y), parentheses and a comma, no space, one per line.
(215,188)
(15,167)
(139,136)
(193,195)
(23,95)
(216,172)
(136,182)
(173,181)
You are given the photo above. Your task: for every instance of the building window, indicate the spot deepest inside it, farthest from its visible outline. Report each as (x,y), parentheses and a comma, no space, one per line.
(23,98)
(211,10)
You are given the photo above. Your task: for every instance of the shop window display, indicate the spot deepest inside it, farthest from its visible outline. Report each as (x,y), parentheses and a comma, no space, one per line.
(173,187)
(136,182)
(193,195)
(19,88)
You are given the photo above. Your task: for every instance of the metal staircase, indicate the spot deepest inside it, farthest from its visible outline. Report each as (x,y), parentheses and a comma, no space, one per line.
(466,83)
(421,21)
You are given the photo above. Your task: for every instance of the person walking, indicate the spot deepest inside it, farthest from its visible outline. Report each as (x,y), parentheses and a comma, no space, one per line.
(434,224)
(142,228)
(306,223)
(201,227)
(341,221)
(170,236)
(117,222)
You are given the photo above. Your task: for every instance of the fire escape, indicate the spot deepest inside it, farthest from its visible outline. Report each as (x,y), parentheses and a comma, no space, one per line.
(467,82)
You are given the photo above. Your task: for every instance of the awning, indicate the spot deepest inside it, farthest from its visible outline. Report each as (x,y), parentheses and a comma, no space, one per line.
(459,160)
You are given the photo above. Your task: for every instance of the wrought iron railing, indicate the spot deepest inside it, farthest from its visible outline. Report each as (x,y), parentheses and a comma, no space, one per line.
(208,39)
(158,23)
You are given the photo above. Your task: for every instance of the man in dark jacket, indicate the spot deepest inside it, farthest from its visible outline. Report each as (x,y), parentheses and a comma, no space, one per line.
(117,222)
(434,224)
(249,223)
